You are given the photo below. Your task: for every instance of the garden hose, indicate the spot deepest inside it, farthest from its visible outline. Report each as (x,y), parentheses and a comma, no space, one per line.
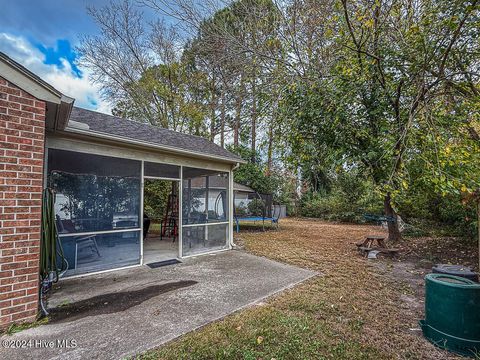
(51,251)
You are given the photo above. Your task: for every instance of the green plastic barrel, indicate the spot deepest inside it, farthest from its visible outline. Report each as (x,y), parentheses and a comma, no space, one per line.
(452,313)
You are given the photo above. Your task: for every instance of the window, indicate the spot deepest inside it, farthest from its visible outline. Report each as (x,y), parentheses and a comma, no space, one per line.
(100,251)
(201,238)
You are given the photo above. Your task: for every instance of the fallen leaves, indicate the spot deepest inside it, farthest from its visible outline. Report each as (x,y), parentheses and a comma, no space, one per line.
(356,309)
(352,287)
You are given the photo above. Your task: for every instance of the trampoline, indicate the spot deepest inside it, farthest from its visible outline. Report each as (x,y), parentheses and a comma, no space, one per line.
(255,207)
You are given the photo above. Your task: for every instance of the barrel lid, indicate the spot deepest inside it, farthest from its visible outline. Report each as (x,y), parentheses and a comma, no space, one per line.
(452,280)
(453,269)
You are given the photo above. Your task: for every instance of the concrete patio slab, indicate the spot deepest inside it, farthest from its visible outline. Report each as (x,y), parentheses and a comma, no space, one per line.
(119,314)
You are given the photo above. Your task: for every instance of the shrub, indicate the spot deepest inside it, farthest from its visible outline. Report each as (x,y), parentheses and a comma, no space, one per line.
(348,199)
(333,206)
(256,207)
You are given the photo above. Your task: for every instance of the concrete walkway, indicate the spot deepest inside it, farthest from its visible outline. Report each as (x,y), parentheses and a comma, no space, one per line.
(123,313)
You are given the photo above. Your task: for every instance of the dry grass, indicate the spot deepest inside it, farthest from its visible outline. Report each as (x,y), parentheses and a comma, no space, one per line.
(355,310)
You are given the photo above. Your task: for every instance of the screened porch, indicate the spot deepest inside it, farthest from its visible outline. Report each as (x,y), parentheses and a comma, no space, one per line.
(99,208)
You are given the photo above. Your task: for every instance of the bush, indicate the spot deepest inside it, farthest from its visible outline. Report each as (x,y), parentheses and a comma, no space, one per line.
(155,198)
(256,207)
(348,200)
(423,204)
(333,206)
(241,209)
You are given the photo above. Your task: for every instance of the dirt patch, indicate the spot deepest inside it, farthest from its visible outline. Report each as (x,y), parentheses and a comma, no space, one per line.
(410,283)
(425,252)
(112,302)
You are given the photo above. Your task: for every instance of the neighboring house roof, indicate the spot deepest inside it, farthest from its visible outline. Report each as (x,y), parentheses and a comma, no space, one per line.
(94,123)
(243,188)
(58,106)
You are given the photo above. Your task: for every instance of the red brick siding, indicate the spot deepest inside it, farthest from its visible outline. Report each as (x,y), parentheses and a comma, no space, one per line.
(22,136)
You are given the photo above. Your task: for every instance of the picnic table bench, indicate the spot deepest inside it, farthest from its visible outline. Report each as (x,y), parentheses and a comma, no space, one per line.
(367,245)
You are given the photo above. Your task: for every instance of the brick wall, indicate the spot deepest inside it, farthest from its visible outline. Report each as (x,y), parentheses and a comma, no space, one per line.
(22,135)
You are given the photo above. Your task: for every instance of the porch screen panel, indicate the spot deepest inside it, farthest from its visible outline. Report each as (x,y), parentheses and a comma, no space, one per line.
(97,252)
(161,170)
(204,210)
(97,209)
(218,198)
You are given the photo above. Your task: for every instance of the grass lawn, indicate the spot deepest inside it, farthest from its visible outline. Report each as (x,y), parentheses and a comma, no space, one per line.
(358,309)
(155,227)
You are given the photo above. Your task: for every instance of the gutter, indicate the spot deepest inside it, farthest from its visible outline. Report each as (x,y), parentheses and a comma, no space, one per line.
(62,114)
(116,139)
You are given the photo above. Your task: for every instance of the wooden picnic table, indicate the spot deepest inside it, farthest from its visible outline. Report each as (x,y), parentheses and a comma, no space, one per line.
(367,245)
(370,240)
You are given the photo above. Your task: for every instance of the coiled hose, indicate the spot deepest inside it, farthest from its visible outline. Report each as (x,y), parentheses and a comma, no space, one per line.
(51,251)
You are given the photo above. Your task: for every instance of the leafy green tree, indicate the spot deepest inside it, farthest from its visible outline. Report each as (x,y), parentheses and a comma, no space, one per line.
(170,89)
(383,92)
(252,174)
(396,69)
(156,194)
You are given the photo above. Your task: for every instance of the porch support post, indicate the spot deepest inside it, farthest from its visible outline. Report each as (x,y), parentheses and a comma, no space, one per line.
(142,190)
(180,214)
(230,209)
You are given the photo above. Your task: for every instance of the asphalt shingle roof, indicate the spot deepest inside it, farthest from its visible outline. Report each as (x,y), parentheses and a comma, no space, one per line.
(241,187)
(129,129)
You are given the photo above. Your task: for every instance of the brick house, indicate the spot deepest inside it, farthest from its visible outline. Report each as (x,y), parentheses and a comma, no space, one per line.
(25,101)
(97,165)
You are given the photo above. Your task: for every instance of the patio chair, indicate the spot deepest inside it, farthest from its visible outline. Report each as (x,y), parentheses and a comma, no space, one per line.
(67,227)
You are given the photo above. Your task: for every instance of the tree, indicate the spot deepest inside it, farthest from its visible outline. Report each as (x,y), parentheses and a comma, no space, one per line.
(313,88)
(395,65)
(227,46)
(140,71)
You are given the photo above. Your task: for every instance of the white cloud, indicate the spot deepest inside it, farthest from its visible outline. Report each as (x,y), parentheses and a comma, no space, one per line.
(86,94)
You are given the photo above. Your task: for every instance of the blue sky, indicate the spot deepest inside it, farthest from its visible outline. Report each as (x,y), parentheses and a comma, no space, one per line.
(42,35)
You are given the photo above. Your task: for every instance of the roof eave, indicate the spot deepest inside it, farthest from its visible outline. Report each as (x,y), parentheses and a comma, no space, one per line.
(58,106)
(145,144)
